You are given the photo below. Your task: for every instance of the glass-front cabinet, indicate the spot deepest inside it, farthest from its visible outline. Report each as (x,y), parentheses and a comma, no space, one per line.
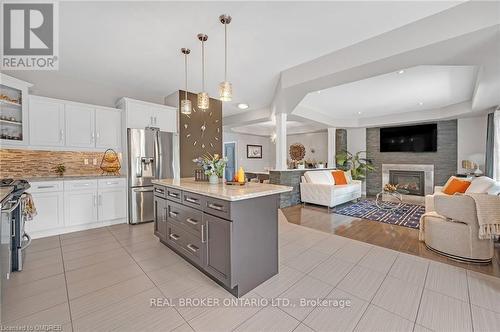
(13,111)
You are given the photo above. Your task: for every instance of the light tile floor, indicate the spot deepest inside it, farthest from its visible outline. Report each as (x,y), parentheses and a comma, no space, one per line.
(104,280)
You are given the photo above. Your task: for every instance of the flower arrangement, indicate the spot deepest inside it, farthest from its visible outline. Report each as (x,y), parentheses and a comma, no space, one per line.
(212,164)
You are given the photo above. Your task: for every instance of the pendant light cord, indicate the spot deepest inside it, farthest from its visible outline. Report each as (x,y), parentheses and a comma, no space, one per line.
(225,52)
(186,74)
(203,65)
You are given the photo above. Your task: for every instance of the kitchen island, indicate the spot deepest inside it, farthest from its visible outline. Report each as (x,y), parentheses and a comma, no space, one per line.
(230,233)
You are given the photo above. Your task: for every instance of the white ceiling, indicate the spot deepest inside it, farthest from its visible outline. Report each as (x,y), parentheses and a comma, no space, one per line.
(133,47)
(267,128)
(395,93)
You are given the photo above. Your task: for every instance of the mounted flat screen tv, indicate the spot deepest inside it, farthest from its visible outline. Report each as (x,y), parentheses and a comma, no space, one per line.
(421,138)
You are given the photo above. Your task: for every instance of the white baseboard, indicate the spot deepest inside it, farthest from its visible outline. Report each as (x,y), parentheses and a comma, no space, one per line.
(76,228)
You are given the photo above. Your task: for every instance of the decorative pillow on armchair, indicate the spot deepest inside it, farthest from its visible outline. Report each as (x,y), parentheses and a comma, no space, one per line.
(480,185)
(455,185)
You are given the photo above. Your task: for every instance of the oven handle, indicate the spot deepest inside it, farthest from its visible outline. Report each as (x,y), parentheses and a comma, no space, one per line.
(28,243)
(10,210)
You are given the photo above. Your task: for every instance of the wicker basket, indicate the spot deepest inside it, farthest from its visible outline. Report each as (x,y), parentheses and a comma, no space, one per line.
(110,162)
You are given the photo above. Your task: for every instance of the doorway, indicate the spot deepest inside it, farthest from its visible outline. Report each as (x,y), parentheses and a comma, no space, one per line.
(230,153)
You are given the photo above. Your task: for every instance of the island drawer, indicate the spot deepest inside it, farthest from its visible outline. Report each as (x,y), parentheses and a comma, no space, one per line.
(187,217)
(174,195)
(192,200)
(186,243)
(160,191)
(217,207)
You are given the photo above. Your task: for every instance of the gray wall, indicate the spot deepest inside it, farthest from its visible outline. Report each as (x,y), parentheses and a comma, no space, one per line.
(444,160)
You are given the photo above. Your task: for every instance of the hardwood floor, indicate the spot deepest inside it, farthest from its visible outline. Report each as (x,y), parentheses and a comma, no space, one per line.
(398,238)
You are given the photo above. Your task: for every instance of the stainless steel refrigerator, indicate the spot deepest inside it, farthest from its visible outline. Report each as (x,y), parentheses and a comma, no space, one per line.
(150,156)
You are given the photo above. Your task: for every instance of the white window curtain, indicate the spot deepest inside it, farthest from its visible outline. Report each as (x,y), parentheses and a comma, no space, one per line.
(496,149)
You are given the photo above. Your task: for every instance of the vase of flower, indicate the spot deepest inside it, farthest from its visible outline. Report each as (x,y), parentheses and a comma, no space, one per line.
(213,179)
(213,166)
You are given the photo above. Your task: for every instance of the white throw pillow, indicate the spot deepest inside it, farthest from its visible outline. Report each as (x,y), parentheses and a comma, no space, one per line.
(495,189)
(480,185)
(319,177)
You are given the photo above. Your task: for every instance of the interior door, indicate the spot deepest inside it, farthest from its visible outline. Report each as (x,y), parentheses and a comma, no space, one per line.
(46,123)
(107,127)
(230,154)
(80,126)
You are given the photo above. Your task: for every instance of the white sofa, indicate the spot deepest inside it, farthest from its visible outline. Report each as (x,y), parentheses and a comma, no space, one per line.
(318,187)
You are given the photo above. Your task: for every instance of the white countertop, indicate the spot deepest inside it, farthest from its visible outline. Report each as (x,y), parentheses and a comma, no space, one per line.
(224,191)
(72,177)
(304,169)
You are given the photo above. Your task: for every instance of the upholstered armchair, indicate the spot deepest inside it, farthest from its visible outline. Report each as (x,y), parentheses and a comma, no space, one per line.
(451,228)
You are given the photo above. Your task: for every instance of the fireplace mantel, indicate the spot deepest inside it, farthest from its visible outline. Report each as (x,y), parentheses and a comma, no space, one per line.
(426,168)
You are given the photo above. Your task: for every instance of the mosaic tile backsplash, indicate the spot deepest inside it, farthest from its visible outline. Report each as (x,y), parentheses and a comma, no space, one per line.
(34,163)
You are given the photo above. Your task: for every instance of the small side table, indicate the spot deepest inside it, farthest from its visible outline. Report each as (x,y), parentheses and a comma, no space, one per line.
(383,205)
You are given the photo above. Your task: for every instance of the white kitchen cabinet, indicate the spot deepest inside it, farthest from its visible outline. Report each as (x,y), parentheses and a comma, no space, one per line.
(112,204)
(46,122)
(108,128)
(66,124)
(49,201)
(80,126)
(141,114)
(80,207)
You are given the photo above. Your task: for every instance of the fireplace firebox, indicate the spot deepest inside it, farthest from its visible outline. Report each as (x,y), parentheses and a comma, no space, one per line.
(411,181)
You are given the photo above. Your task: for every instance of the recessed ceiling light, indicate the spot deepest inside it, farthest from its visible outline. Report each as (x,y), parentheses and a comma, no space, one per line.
(360,112)
(242,106)
(421,103)
(401,72)
(319,91)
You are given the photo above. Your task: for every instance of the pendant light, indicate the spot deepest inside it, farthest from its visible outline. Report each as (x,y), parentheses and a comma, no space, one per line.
(225,88)
(203,98)
(186,103)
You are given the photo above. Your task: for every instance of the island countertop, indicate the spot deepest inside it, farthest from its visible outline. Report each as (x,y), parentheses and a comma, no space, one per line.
(224,191)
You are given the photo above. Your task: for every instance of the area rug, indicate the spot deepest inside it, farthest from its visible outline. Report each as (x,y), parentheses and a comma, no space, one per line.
(407,215)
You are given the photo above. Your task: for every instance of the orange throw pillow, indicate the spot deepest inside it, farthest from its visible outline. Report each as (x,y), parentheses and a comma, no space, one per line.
(339,177)
(456,186)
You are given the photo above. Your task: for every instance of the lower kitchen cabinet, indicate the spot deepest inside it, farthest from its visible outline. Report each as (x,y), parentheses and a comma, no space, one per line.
(80,207)
(73,205)
(50,212)
(218,247)
(112,204)
(160,218)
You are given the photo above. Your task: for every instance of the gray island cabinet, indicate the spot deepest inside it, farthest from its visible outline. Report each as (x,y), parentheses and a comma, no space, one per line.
(230,233)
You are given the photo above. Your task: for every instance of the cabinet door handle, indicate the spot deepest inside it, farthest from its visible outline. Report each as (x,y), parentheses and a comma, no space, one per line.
(192,221)
(110,183)
(174,237)
(95,200)
(175,195)
(203,234)
(192,200)
(173,214)
(100,200)
(159,191)
(216,206)
(61,135)
(192,247)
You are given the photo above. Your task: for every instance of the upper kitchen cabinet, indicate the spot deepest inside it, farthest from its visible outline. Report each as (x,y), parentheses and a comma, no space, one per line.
(107,125)
(55,122)
(141,114)
(13,111)
(46,122)
(80,124)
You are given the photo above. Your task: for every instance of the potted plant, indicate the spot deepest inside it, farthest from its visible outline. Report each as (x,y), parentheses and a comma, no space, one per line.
(60,169)
(301,164)
(212,165)
(358,166)
(320,165)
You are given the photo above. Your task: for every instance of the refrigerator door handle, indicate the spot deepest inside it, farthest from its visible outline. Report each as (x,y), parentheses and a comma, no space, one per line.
(139,167)
(158,174)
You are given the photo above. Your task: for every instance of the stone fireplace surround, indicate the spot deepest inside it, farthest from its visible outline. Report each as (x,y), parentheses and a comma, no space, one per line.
(427,169)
